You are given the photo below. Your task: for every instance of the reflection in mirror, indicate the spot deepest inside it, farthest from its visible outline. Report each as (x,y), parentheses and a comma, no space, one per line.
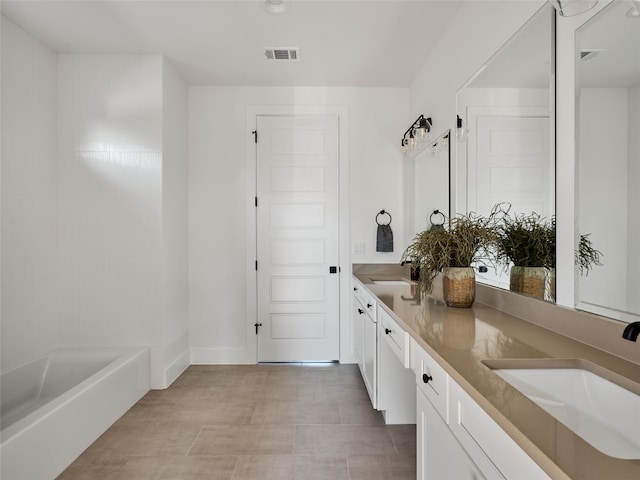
(608,155)
(431,182)
(507,154)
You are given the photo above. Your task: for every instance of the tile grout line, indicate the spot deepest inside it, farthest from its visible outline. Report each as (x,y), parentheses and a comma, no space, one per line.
(235,467)
(194,441)
(393,441)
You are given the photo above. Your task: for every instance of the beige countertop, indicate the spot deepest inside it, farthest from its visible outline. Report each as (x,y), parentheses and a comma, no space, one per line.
(461,339)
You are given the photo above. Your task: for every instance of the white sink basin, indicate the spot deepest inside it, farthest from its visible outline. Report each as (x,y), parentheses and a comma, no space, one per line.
(603,413)
(391,282)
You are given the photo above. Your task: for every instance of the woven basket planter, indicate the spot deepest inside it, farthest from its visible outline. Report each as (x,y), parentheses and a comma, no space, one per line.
(459,328)
(528,280)
(459,286)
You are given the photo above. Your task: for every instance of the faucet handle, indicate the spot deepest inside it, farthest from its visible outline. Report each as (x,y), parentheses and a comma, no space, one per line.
(631,331)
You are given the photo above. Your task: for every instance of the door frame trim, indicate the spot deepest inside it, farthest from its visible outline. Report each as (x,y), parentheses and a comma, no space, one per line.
(252,113)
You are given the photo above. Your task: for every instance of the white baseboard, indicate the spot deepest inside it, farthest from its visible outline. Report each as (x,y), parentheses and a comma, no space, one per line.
(349,357)
(176,368)
(221,356)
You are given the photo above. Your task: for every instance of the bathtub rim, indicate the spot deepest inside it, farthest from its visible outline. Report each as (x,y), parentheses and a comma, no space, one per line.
(29,421)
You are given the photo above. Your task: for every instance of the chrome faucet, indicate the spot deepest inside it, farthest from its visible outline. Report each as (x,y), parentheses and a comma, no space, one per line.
(631,331)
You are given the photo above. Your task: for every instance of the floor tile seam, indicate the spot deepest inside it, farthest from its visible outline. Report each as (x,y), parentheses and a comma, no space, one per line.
(235,467)
(195,438)
(348,466)
(393,441)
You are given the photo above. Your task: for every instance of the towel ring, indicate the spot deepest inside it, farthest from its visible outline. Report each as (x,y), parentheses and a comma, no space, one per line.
(437,225)
(382,212)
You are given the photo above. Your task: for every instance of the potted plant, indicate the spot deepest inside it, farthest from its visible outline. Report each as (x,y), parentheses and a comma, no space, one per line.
(452,250)
(528,243)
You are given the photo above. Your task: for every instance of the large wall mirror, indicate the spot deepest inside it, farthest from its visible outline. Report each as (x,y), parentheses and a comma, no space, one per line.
(607,69)
(430,181)
(507,154)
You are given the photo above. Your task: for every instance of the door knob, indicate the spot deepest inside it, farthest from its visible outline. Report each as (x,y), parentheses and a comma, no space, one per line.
(426,378)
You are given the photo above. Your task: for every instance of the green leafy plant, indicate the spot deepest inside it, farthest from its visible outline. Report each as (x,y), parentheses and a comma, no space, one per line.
(524,240)
(586,257)
(465,240)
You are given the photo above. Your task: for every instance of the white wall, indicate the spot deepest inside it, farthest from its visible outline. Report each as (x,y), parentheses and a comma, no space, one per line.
(477,31)
(110,180)
(122,170)
(602,166)
(175,341)
(219,200)
(29,260)
(475,34)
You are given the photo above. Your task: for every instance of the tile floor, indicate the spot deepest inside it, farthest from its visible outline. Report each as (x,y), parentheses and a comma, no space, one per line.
(254,422)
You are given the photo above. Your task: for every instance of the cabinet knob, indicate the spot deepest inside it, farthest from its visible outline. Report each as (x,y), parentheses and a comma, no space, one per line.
(360,311)
(369,305)
(387,331)
(426,378)
(355,289)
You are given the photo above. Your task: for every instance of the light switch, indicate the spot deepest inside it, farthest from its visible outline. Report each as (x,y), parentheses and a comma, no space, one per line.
(358,248)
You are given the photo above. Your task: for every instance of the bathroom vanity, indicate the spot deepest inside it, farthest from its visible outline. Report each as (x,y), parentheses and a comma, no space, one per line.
(471,422)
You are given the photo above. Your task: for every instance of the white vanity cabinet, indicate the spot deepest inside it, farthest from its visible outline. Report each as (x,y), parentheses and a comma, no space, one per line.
(486,442)
(440,455)
(357,320)
(382,349)
(365,332)
(396,383)
(456,438)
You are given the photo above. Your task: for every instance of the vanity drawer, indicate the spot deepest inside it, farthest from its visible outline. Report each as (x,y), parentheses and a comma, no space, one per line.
(368,302)
(395,336)
(431,379)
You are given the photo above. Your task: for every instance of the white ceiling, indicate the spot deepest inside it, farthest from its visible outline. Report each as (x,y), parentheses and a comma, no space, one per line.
(617,37)
(379,43)
(525,60)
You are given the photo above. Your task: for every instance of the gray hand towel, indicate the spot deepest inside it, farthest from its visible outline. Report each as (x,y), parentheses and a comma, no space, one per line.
(384,241)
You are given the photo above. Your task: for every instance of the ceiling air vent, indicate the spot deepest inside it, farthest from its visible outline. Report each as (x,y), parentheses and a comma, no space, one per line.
(288,54)
(589,54)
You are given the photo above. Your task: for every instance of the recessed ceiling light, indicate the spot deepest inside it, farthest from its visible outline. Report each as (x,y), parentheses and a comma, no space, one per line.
(276,7)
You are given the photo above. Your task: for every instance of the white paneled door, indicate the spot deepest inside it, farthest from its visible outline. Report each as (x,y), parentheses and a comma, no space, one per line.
(297,244)
(511,161)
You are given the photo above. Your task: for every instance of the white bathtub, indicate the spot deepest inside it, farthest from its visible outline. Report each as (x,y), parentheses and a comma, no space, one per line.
(54,407)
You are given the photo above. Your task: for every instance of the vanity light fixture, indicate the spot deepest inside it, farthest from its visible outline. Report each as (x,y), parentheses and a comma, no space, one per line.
(417,132)
(569,8)
(461,129)
(440,145)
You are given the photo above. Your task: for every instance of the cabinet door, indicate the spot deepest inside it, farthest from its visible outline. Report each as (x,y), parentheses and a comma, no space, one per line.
(369,356)
(439,455)
(358,317)
(486,442)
